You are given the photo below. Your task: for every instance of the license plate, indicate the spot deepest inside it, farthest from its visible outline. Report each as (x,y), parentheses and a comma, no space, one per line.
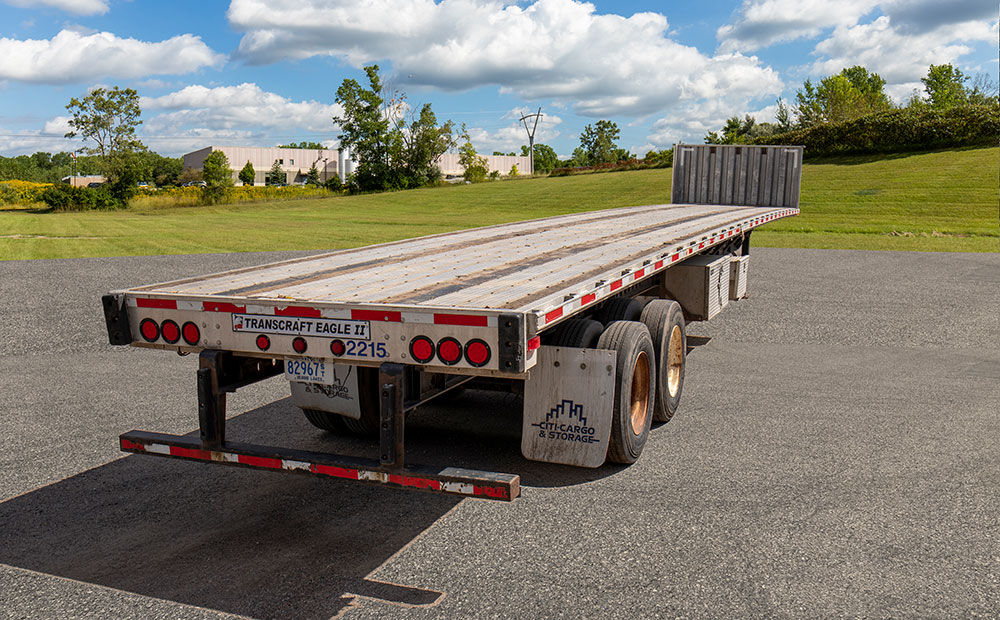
(309,371)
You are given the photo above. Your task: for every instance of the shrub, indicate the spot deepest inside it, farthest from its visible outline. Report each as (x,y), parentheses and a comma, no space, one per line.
(68,198)
(21,192)
(904,129)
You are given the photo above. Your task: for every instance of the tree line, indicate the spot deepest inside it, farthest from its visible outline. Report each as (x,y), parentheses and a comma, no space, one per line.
(855,93)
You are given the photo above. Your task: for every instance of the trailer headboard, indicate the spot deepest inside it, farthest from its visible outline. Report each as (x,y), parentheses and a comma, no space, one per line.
(756,176)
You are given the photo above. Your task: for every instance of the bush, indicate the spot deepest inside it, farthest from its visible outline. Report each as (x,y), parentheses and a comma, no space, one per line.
(69,198)
(892,131)
(21,192)
(333,184)
(173,197)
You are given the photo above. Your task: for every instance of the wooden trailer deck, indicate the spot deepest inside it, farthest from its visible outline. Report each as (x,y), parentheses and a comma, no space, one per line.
(536,267)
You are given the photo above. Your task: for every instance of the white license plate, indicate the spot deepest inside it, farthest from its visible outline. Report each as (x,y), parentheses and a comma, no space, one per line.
(309,371)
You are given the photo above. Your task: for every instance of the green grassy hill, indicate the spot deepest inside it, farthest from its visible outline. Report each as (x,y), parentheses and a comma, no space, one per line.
(942,201)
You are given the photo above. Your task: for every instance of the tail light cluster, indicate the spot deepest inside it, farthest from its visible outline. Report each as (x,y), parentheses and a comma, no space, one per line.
(169,331)
(450,351)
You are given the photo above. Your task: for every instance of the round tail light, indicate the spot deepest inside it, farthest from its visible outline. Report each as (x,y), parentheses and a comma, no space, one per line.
(300,345)
(170,332)
(338,348)
(149,329)
(191,333)
(422,349)
(477,352)
(263,342)
(449,351)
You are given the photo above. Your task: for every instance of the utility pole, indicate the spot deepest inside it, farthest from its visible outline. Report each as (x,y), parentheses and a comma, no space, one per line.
(531,138)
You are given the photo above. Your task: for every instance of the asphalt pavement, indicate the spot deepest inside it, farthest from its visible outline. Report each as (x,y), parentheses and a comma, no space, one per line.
(835,456)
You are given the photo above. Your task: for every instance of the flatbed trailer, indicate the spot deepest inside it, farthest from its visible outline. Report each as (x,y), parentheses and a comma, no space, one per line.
(583,314)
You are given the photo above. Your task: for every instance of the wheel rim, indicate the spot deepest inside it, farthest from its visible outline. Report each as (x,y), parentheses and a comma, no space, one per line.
(640,394)
(675,361)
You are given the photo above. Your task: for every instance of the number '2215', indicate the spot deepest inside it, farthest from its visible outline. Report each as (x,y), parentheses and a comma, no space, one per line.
(362,348)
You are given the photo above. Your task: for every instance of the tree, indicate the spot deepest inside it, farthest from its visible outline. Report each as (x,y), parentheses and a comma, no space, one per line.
(783,116)
(852,93)
(215,171)
(275,176)
(109,118)
(513,171)
(189,174)
(474,164)
(312,177)
(423,143)
(248,175)
(218,176)
(162,170)
(545,158)
(945,86)
(302,145)
(599,142)
(984,90)
(394,150)
(365,130)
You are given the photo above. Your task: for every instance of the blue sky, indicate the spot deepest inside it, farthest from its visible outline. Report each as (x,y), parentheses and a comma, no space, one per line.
(264,72)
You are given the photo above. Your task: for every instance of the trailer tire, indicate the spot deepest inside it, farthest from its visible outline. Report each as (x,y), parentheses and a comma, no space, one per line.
(576,333)
(325,420)
(665,320)
(368,400)
(635,388)
(619,309)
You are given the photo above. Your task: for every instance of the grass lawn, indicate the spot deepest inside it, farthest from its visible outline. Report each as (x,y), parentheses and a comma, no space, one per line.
(944,201)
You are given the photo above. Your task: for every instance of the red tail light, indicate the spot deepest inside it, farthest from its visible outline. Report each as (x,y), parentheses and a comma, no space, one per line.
(191,333)
(337,347)
(477,352)
(170,332)
(422,349)
(449,351)
(300,345)
(149,329)
(263,342)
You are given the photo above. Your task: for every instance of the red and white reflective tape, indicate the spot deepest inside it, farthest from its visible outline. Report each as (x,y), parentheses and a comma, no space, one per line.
(356,314)
(651,265)
(347,473)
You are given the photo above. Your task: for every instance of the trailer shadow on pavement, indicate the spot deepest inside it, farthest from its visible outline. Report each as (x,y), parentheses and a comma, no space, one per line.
(227,539)
(260,544)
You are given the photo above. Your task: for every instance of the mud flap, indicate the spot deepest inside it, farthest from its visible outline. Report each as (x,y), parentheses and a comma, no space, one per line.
(340,395)
(568,404)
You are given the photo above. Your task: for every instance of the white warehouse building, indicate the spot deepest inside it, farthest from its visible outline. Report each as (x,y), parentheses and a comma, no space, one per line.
(329,162)
(295,162)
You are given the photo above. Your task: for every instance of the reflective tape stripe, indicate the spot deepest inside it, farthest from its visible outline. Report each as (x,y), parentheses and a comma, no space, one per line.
(568,307)
(397,479)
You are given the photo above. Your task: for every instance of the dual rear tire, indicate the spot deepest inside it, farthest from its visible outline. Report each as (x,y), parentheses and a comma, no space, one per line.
(649,376)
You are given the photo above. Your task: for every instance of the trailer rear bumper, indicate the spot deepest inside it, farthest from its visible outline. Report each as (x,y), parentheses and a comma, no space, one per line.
(448,480)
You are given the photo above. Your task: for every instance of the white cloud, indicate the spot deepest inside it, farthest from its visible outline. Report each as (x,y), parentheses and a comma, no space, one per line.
(898,57)
(898,39)
(560,50)
(760,23)
(19,142)
(75,57)
(197,116)
(510,137)
(80,7)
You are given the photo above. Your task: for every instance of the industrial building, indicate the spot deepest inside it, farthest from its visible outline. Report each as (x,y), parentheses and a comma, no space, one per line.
(329,162)
(295,162)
